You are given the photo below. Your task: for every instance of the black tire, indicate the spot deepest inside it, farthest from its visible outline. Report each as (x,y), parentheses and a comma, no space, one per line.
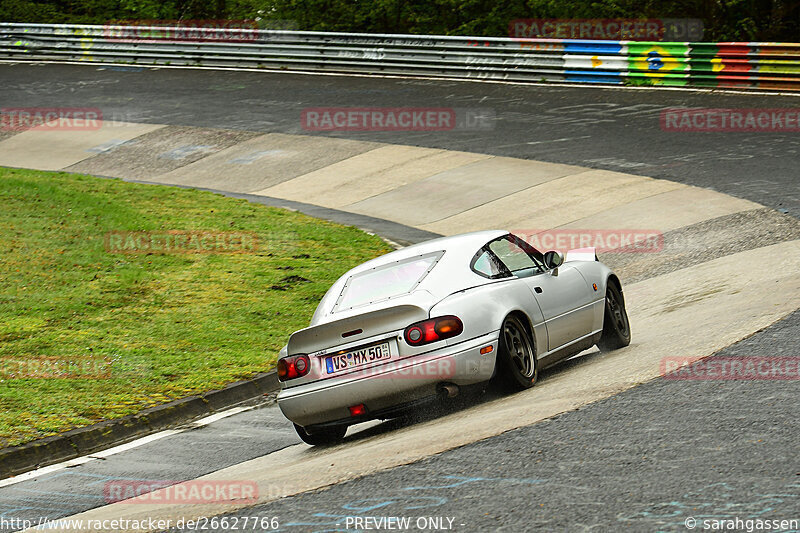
(616,327)
(321,437)
(516,356)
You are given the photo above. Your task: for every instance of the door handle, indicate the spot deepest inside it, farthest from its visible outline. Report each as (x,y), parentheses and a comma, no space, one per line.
(538,290)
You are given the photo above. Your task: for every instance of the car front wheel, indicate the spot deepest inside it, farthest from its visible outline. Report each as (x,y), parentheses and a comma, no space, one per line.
(518,368)
(616,328)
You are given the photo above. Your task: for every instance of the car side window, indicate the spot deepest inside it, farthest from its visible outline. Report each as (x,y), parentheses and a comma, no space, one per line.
(538,257)
(515,256)
(486,264)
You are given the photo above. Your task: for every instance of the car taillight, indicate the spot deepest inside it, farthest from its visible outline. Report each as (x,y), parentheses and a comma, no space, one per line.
(293,367)
(434,329)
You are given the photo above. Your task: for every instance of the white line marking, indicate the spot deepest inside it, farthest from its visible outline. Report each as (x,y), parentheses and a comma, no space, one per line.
(219,416)
(122,447)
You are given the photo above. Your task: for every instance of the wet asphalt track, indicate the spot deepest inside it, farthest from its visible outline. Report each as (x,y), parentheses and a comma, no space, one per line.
(614,129)
(643,460)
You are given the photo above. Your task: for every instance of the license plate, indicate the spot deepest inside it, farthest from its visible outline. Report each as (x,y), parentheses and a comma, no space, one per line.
(357,358)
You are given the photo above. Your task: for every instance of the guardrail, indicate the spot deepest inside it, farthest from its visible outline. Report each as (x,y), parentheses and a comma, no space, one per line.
(770,66)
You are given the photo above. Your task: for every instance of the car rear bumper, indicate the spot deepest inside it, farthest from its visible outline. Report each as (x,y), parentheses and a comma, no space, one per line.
(384,387)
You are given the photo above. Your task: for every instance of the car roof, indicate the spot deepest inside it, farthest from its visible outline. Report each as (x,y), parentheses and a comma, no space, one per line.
(452,272)
(455,247)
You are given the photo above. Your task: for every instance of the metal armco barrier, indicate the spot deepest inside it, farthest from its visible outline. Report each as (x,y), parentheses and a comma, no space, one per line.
(766,66)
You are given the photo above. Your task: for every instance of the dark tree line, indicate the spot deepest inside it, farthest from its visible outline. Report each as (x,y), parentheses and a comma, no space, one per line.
(724,20)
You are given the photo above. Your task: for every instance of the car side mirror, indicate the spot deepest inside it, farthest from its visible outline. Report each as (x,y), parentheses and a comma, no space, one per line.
(553,259)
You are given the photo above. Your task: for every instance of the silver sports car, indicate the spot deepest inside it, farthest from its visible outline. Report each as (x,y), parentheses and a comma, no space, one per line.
(425,320)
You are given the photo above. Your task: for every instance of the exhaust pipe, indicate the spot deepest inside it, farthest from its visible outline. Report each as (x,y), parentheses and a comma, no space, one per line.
(448,390)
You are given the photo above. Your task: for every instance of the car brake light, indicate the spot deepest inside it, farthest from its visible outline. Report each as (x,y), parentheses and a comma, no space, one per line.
(434,329)
(358,410)
(293,367)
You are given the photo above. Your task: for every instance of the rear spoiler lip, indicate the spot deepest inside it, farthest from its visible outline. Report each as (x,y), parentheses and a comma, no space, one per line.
(581,254)
(319,337)
(419,298)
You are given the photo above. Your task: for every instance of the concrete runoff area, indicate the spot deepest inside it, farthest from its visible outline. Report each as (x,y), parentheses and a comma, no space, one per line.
(687,300)
(265,161)
(555,202)
(459,189)
(670,210)
(55,149)
(158,152)
(5,134)
(454,191)
(369,174)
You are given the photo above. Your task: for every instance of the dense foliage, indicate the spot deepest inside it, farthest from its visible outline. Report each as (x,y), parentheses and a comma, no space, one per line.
(724,20)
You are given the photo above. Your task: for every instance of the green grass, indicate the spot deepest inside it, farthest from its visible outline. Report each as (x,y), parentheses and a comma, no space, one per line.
(158,326)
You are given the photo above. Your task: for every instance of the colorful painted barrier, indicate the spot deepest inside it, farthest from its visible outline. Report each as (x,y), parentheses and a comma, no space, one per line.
(766,66)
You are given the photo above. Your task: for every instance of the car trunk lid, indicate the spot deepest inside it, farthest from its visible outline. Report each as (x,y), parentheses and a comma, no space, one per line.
(350,330)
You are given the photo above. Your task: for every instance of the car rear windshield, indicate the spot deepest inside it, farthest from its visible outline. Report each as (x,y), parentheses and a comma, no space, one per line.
(386,281)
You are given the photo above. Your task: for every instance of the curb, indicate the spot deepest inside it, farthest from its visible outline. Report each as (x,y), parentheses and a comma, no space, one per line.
(107,434)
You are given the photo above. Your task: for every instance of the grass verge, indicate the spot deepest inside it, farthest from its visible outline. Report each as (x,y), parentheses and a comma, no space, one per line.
(90,334)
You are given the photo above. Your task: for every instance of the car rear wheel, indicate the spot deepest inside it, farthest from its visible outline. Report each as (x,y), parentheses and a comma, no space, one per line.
(321,437)
(616,328)
(518,368)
